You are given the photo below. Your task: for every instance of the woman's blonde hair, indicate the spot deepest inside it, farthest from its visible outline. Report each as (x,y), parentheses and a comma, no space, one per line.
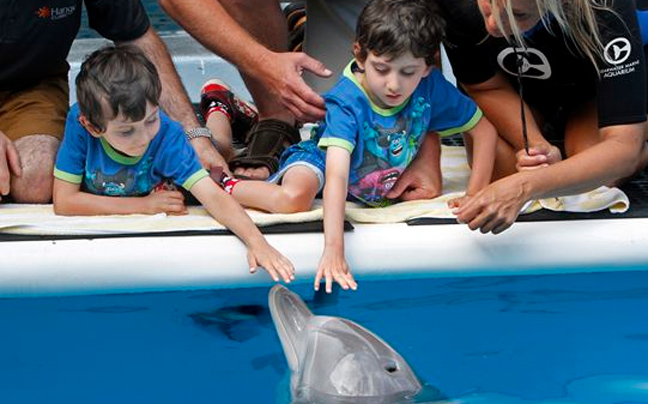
(575,17)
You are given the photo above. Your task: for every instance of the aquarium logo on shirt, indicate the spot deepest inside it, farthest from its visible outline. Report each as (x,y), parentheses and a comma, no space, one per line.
(55,13)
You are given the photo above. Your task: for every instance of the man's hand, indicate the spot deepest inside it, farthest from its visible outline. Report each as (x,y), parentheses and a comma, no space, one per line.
(209,157)
(9,164)
(282,77)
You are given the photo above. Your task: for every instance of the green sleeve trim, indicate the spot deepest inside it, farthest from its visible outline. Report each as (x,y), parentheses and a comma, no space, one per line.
(334,141)
(465,127)
(67,177)
(195,177)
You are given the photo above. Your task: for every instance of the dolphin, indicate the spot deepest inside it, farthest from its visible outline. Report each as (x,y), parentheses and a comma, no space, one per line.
(334,360)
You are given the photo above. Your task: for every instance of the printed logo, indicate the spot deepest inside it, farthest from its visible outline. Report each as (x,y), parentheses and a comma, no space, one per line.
(55,13)
(534,64)
(44,12)
(617,51)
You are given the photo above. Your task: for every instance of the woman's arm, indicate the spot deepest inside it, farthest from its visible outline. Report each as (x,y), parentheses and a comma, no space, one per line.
(500,103)
(617,156)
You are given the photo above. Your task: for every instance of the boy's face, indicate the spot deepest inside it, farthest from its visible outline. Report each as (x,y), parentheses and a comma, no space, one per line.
(128,137)
(390,81)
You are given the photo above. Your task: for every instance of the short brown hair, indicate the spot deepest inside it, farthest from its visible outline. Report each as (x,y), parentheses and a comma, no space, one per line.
(120,77)
(392,27)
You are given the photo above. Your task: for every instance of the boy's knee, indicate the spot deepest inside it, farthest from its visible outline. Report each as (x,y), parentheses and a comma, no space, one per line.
(295,201)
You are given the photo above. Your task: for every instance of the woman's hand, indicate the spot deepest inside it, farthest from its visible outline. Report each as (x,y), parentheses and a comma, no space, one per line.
(494,208)
(539,156)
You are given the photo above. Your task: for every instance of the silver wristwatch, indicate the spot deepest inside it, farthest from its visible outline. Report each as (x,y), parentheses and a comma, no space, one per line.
(194,133)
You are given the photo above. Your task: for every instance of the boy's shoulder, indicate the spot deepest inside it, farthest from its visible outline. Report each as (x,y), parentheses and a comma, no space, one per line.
(347,88)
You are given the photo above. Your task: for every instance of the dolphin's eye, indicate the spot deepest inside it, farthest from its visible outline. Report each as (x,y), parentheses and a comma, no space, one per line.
(390,367)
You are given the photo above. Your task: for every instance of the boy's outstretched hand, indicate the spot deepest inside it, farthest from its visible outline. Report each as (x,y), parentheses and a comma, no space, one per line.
(333,266)
(264,255)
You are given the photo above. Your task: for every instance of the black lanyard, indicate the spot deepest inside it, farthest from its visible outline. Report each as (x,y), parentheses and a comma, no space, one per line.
(519,61)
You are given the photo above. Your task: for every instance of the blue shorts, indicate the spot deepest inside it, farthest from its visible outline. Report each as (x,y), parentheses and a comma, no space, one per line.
(305,153)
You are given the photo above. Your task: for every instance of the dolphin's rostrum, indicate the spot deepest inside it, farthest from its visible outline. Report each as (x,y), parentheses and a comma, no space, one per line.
(334,360)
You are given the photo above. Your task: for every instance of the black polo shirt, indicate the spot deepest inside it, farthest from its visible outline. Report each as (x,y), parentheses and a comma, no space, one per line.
(36,35)
(554,73)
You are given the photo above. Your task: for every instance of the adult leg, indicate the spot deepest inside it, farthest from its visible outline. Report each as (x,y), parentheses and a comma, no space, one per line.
(37,155)
(34,120)
(581,130)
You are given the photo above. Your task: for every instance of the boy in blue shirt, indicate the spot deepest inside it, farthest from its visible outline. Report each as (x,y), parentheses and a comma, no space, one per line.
(378,113)
(119,147)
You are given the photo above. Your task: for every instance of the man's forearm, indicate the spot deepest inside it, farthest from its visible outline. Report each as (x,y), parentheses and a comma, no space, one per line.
(225,37)
(174,99)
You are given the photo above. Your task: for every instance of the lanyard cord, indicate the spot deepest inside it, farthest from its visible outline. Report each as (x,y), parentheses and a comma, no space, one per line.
(519,61)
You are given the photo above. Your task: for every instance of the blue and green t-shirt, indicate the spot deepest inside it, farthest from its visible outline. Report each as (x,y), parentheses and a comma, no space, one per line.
(383,142)
(102,170)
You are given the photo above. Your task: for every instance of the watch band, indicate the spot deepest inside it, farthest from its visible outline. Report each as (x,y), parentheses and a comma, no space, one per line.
(194,133)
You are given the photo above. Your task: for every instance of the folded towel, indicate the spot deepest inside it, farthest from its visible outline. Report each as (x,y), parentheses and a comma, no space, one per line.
(41,220)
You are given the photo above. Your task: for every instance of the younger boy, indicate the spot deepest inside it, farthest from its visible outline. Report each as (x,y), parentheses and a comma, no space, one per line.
(378,113)
(119,147)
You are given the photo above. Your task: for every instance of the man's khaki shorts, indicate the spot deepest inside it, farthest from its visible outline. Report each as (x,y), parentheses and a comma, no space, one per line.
(38,110)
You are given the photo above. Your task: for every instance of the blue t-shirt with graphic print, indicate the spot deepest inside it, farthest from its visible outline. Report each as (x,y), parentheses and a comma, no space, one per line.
(102,170)
(383,142)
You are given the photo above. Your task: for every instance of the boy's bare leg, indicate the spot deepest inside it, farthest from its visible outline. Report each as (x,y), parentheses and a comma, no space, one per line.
(37,156)
(221,130)
(296,193)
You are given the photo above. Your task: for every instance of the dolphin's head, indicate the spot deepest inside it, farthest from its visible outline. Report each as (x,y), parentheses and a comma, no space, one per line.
(335,359)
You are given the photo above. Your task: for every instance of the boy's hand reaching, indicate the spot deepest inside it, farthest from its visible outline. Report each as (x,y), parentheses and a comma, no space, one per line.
(333,266)
(169,202)
(264,255)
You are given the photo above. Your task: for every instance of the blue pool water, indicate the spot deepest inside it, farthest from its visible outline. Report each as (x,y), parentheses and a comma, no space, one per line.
(551,339)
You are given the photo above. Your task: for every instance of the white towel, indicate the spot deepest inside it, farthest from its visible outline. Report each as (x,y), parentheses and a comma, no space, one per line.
(40,219)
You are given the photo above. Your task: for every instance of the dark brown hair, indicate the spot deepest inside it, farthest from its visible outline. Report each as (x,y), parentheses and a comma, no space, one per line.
(393,27)
(119,77)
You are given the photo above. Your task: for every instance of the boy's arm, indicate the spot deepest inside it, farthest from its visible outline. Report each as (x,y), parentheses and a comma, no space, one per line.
(69,200)
(484,137)
(422,178)
(229,213)
(333,265)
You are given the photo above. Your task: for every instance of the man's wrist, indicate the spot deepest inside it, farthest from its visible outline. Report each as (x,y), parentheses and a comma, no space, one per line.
(198,132)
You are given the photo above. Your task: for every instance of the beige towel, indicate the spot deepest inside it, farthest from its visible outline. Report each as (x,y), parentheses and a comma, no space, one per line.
(40,219)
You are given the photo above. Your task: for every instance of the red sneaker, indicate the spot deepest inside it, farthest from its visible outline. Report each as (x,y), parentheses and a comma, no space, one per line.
(216,96)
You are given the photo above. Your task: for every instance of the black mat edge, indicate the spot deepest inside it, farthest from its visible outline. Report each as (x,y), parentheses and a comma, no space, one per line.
(316,226)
